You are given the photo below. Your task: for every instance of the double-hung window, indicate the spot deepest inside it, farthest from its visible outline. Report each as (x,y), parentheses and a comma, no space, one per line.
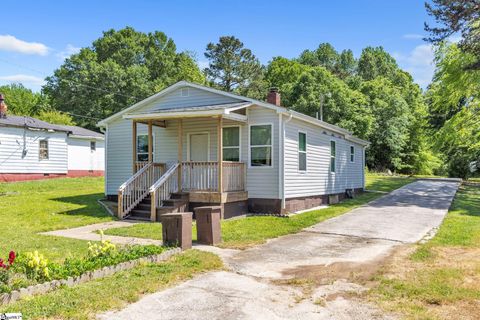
(231,144)
(142,147)
(352,154)
(261,145)
(43,149)
(302,151)
(333,154)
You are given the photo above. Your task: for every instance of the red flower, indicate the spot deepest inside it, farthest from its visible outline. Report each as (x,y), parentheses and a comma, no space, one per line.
(11,257)
(2,265)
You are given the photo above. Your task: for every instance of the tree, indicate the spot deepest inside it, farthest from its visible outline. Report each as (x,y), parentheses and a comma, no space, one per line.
(120,68)
(375,62)
(231,66)
(22,101)
(454,16)
(342,65)
(56,117)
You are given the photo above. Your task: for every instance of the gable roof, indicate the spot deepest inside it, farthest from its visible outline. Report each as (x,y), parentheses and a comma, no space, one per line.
(36,124)
(278,109)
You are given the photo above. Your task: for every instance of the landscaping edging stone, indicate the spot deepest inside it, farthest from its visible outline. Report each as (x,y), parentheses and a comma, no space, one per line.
(45,287)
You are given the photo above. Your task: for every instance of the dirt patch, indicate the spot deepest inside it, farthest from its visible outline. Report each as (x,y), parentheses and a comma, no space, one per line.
(357,272)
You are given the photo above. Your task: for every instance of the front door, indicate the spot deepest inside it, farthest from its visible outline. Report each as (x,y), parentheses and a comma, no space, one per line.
(199,147)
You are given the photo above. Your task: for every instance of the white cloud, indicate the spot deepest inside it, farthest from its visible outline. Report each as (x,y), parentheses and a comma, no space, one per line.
(69,50)
(412,36)
(23,78)
(10,43)
(419,63)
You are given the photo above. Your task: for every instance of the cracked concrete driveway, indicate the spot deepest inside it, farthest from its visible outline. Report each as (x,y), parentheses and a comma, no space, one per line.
(251,291)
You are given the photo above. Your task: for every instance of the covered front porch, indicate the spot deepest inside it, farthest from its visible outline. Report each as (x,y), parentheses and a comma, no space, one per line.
(177,153)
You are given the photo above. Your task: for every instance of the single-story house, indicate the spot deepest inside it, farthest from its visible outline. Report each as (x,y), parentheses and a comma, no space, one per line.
(191,145)
(32,149)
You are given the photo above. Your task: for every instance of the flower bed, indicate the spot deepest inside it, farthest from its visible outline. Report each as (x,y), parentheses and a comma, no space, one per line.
(32,269)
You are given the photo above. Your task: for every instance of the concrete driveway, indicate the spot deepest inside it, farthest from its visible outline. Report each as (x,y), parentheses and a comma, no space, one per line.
(251,289)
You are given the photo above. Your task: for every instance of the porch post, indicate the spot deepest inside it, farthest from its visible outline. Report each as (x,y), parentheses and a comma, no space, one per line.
(134,146)
(150,141)
(220,153)
(180,153)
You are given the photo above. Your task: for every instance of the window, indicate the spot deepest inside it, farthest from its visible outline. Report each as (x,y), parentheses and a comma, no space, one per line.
(142,147)
(352,154)
(185,92)
(43,150)
(93,146)
(231,144)
(261,145)
(302,151)
(333,153)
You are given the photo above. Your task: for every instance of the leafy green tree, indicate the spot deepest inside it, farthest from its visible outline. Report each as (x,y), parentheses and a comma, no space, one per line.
(341,106)
(119,69)
(342,65)
(22,101)
(56,117)
(376,62)
(452,17)
(232,67)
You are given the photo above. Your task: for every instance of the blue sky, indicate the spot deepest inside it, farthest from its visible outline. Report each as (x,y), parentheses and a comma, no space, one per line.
(35,36)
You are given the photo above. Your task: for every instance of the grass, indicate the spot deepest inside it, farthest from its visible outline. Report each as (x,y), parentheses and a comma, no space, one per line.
(27,208)
(243,233)
(441,278)
(86,300)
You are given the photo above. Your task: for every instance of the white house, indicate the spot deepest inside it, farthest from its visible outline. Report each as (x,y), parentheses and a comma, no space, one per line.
(33,149)
(163,155)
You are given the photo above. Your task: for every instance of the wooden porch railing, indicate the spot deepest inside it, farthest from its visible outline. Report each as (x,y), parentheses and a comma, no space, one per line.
(203,176)
(162,189)
(135,189)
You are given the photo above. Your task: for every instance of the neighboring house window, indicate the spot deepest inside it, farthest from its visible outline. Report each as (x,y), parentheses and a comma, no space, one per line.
(43,150)
(261,145)
(142,147)
(231,144)
(302,151)
(352,154)
(93,146)
(333,154)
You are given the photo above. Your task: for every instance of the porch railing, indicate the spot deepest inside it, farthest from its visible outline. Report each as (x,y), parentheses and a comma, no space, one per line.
(203,176)
(163,188)
(233,176)
(135,189)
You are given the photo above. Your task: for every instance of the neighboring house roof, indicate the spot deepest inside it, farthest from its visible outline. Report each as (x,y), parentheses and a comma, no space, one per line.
(248,101)
(82,132)
(36,124)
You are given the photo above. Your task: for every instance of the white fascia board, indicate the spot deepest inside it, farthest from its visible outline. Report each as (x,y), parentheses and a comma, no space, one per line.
(171,115)
(85,137)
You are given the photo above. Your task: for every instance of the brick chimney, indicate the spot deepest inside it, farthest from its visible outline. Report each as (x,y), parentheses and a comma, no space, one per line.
(273,96)
(3,107)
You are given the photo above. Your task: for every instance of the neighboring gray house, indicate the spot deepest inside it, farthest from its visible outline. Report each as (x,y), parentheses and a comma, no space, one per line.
(162,155)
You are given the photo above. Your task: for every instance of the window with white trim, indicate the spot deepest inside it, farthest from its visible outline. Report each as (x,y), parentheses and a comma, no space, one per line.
(352,154)
(93,146)
(231,144)
(43,149)
(333,155)
(261,145)
(142,147)
(302,151)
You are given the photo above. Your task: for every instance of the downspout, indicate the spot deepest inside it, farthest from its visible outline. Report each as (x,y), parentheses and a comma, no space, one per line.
(104,130)
(282,184)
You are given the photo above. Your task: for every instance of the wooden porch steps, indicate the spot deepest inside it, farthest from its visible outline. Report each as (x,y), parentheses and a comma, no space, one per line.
(177,203)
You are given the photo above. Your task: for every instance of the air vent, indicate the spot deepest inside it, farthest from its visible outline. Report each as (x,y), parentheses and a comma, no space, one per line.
(185,92)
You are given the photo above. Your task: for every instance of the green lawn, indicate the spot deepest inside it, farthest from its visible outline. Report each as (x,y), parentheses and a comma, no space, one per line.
(86,300)
(441,278)
(27,208)
(242,233)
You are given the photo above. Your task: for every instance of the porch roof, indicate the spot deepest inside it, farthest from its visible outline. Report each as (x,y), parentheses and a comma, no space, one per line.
(224,110)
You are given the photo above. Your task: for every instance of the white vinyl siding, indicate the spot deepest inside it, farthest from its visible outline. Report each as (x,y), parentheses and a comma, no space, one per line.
(13,158)
(82,157)
(318,180)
